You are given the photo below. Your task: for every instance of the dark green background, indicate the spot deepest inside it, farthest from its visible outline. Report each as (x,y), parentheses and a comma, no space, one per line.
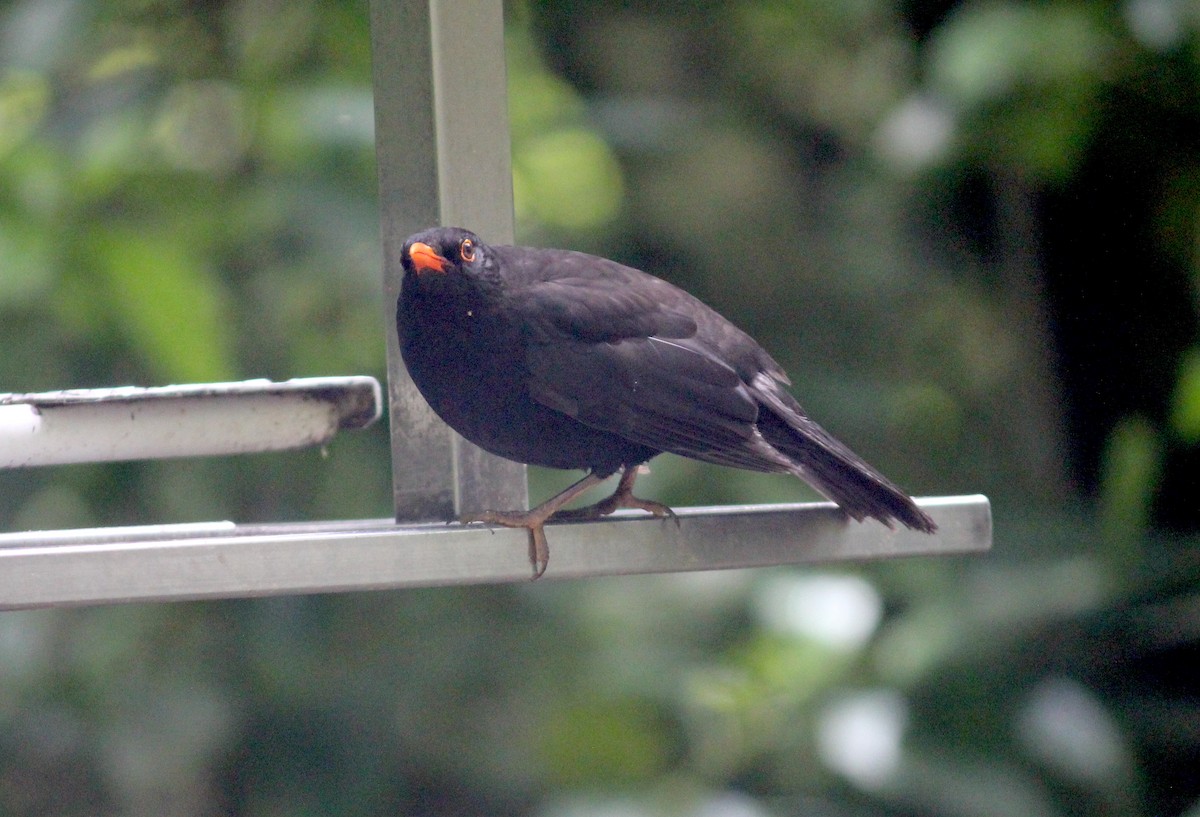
(969,231)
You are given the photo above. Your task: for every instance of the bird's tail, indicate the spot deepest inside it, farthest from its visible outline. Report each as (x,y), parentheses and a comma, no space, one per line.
(833,469)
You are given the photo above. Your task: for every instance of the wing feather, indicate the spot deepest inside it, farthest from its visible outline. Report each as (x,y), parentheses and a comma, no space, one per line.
(623,360)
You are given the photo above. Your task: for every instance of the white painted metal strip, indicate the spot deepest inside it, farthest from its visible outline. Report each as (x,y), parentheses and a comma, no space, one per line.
(131,423)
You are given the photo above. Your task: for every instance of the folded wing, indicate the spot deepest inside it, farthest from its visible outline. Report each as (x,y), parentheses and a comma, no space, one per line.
(631,361)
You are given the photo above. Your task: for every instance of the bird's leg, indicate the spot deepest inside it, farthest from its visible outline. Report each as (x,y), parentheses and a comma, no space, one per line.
(621,498)
(534,519)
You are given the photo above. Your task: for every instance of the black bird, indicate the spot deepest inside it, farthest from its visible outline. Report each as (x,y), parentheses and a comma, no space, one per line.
(566,360)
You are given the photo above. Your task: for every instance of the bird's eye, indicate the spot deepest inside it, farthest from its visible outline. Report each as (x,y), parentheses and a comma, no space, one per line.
(466,250)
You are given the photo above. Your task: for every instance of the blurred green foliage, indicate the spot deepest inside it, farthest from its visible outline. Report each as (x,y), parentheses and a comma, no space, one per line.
(967,229)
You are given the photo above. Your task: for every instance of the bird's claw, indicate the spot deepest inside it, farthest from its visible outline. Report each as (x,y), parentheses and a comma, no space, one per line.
(539,548)
(509,519)
(533,520)
(656,508)
(622,498)
(539,551)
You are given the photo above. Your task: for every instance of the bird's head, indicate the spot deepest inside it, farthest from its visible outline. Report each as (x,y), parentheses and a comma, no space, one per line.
(445,251)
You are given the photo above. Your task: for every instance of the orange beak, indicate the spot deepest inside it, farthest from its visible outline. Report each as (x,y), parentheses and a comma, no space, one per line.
(425,259)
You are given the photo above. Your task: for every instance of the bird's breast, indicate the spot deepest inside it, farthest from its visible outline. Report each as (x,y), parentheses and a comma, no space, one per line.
(467,362)
(471,366)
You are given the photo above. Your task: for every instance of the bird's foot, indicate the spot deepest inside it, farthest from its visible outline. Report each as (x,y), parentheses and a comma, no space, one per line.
(615,502)
(532,521)
(622,497)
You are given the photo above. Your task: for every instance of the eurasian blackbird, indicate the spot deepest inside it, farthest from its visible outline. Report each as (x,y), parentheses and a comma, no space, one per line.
(567,360)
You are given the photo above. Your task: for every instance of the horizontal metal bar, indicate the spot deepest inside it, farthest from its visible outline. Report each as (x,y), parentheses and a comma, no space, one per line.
(204,419)
(223,560)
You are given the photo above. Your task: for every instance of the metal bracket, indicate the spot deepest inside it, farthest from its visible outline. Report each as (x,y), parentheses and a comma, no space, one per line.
(207,419)
(221,559)
(443,153)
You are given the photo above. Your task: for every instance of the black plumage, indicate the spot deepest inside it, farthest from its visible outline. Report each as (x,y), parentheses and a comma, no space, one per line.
(568,360)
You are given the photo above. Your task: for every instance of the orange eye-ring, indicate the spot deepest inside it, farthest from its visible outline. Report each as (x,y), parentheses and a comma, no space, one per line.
(466,250)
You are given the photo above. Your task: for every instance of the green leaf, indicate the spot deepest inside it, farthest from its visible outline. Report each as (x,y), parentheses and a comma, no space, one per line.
(1025,81)
(605,742)
(1131,467)
(24,100)
(1185,411)
(568,178)
(168,305)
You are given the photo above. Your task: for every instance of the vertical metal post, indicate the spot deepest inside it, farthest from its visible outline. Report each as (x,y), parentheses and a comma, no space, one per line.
(443,154)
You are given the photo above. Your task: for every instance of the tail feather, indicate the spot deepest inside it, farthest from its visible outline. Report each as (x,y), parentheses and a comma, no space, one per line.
(833,469)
